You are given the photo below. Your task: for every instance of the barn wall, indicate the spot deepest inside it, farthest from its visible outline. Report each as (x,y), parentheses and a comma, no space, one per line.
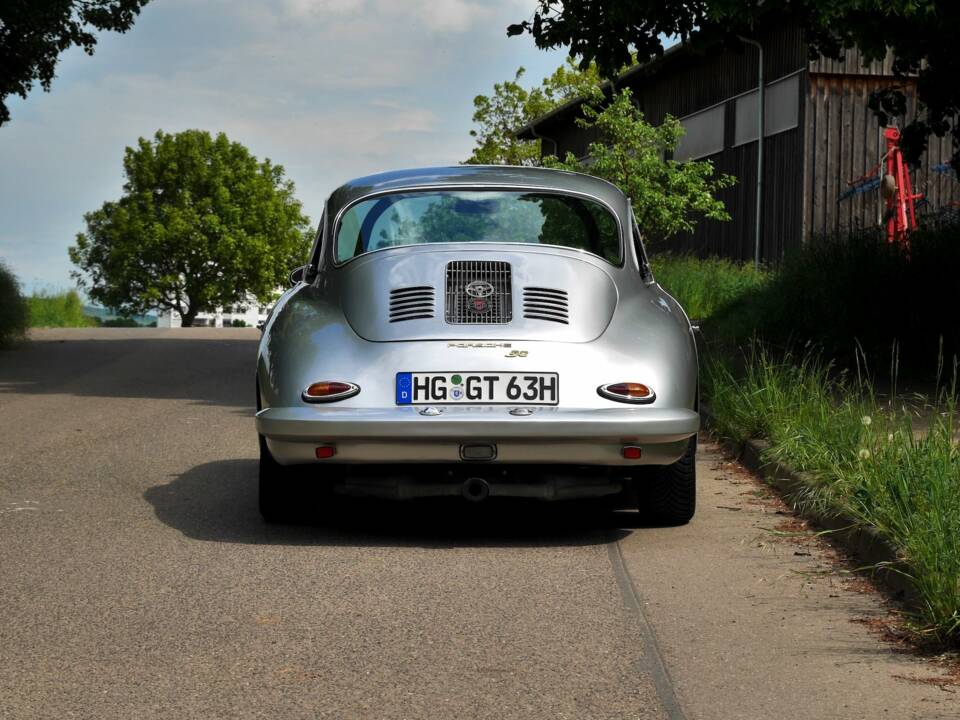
(851,63)
(782,206)
(687,83)
(844,142)
(699,79)
(805,168)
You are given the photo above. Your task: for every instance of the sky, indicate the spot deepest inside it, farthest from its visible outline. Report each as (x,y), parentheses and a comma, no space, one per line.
(330,89)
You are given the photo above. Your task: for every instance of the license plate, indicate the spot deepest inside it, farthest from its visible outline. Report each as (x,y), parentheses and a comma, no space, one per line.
(489,388)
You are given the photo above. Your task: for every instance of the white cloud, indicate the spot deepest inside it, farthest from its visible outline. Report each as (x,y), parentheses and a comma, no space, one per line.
(456,16)
(331,89)
(434,15)
(308,8)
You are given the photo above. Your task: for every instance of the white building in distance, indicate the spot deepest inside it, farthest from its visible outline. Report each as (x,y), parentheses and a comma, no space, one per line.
(250,314)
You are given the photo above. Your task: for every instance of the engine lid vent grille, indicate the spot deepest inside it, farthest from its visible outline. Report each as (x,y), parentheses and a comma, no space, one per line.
(546,304)
(412,303)
(478,292)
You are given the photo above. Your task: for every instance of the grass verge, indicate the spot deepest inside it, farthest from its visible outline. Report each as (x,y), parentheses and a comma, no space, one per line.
(856,291)
(703,287)
(63,309)
(860,456)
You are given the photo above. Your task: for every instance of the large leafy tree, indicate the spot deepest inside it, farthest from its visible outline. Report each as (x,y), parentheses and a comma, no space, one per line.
(201,223)
(668,196)
(33,33)
(920,33)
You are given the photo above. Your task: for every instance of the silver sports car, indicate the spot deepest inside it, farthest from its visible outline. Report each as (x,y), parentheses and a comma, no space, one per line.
(479,332)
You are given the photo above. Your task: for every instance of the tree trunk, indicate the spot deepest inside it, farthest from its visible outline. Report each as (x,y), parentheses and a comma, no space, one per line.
(187,318)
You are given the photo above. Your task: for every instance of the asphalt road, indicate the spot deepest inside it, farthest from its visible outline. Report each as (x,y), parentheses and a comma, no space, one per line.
(138,581)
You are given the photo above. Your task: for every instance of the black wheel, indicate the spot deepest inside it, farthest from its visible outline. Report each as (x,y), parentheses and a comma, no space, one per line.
(276,483)
(669,495)
(276,486)
(295,493)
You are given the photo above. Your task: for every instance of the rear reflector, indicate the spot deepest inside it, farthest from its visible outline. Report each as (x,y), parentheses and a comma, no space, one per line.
(629,392)
(329,391)
(326,451)
(631,452)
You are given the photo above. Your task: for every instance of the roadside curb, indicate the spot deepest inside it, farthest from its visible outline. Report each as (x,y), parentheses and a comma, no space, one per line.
(863,543)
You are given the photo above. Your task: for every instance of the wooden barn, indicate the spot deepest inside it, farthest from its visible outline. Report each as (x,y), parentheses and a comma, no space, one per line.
(819,135)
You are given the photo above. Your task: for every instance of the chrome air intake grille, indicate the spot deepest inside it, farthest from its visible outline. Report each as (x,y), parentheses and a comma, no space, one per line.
(412,303)
(545,304)
(478,292)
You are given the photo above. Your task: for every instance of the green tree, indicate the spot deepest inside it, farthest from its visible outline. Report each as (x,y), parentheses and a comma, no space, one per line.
(201,223)
(511,106)
(33,33)
(921,34)
(668,196)
(13,308)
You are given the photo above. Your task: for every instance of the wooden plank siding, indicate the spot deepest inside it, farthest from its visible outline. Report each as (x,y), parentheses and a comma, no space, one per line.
(806,168)
(852,64)
(844,142)
(782,211)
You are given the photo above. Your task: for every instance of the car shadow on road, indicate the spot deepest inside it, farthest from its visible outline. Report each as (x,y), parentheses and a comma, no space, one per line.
(217,501)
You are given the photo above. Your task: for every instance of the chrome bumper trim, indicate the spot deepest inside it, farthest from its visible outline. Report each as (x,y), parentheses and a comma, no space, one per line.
(330,424)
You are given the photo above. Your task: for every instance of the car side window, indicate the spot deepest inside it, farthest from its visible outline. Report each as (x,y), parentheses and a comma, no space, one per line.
(316,252)
(645,272)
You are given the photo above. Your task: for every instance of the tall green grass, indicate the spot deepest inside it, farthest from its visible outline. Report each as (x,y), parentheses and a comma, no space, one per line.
(703,287)
(13,309)
(853,292)
(62,309)
(859,455)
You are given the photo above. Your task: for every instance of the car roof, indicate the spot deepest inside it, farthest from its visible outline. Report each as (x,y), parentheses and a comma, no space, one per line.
(502,176)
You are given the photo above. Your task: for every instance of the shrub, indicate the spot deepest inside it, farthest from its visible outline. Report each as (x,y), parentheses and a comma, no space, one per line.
(237,322)
(63,309)
(841,293)
(13,308)
(703,287)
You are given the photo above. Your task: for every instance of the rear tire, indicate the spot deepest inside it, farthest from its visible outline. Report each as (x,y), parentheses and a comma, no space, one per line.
(669,496)
(276,483)
(295,493)
(275,487)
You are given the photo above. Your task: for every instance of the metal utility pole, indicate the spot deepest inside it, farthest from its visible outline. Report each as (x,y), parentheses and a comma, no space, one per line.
(760,89)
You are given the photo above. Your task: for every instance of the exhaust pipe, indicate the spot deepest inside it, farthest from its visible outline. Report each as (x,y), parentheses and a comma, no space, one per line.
(476,489)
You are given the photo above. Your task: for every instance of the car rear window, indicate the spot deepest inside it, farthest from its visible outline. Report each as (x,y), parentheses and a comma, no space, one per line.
(486,216)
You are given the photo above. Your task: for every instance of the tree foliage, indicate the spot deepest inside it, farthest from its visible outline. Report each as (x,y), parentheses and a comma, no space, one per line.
(13,308)
(668,196)
(201,223)
(33,33)
(511,106)
(920,33)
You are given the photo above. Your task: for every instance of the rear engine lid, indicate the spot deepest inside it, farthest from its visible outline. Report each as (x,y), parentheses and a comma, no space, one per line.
(426,294)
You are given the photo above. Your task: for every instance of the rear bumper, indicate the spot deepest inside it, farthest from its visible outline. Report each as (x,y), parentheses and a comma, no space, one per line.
(549,435)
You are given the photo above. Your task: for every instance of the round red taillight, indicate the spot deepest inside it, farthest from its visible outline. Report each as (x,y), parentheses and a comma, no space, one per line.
(630,392)
(328,391)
